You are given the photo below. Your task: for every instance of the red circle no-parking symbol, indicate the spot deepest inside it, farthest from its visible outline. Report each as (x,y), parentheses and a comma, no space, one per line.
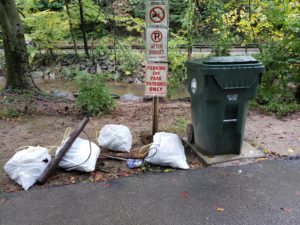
(157,14)
(156,36)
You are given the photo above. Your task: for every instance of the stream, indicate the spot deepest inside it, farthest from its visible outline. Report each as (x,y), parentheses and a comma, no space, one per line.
(118,88)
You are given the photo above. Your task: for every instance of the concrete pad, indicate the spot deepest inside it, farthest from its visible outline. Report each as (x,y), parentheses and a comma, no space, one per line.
(248,152)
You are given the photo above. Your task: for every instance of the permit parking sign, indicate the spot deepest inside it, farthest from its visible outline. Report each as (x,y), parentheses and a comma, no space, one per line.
(157,44)
(156,79)
(157,12)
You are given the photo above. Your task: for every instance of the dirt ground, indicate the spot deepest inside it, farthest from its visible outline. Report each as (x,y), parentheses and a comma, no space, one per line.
(281,136)
(49,131)
(268,132)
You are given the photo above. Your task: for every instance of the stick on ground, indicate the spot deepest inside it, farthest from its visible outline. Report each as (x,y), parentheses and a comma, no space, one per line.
(63,151)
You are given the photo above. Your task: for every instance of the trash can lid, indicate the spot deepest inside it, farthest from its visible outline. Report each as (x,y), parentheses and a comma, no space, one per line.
(230,60)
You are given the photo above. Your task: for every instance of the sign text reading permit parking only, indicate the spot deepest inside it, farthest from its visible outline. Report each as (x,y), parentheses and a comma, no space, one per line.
(157,12)
(157,44)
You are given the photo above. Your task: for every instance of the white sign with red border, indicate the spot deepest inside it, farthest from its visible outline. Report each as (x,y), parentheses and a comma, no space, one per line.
(156,79)
(157,44)
(157,12)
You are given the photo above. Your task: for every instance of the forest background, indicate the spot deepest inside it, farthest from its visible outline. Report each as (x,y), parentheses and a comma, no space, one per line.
(92,29)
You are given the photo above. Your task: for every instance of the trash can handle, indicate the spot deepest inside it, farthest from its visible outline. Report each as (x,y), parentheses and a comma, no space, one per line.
(230,120)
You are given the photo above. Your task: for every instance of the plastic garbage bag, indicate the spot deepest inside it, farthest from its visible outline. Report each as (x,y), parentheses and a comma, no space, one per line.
(167,150)
(115,138)
(26,166)
(82,156)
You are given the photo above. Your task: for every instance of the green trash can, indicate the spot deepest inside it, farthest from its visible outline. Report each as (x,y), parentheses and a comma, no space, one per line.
(220,88)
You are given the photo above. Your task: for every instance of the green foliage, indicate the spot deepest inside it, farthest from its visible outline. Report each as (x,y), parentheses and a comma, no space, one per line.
(280,54)
(130,60)
(221,37)
(10,113)
(188,23)
(2,61)
(177,8)
(102,49)
(179,127)
(94,96)
(178,71)
(47,23)
(47,28)
(137,8)
(32,52)
(272,26)
(278,108)
(92,14)
(53,5)
(17,105)
(131,24)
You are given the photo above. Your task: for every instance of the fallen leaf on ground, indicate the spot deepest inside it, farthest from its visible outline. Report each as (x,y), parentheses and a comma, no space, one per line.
(97,177)
(72,179)
(290,150)
(267,151)
(168,170)
(220,209)
(2,201)
(286,210)
(299,139)
(229,174)
(184,195)
(107,185)
(262,159)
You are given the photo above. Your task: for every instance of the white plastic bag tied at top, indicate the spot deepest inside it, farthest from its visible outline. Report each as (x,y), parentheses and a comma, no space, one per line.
(167,150)
(82,156)
(115,138)
(26,166)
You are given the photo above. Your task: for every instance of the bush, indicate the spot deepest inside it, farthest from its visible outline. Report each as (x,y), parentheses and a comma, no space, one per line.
(130,61)
(94,96)
(2,62)
(282,68)
(178,73)
(279,109)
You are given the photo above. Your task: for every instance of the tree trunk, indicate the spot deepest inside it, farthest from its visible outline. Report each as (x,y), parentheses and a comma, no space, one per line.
(71,27)
(16,56)
(82,25)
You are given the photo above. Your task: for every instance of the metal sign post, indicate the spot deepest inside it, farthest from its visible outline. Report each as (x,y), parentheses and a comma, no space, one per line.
(157,19)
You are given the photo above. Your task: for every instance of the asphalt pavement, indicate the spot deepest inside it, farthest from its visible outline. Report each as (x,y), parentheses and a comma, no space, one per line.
(261,193)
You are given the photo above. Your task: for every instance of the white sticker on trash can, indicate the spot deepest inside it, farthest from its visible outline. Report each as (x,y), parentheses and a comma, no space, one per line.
(194,85)
(233,98)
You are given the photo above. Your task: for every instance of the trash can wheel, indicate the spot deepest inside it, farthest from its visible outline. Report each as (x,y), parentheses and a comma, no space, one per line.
(190,133)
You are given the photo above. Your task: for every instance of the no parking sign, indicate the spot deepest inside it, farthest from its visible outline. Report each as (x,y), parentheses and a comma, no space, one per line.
(157,44)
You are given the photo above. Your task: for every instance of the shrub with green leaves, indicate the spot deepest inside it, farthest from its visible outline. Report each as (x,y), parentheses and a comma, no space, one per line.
(94,96)
(130,61)
(177,69)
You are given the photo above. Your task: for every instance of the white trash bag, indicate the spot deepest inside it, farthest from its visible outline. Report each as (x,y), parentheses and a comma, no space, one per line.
(167,150)
(82,156)
(26,166)
(116,138)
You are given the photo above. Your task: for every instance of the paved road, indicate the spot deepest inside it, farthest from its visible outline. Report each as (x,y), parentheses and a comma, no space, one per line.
(263,193)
